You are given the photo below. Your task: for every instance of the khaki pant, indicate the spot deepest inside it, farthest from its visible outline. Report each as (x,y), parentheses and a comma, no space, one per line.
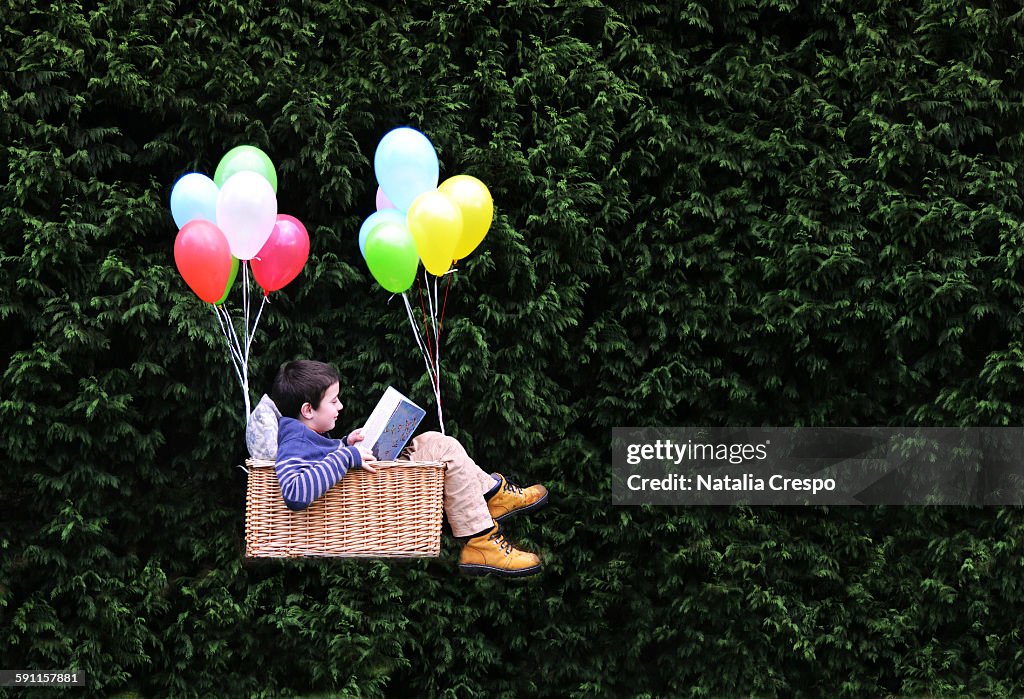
(464,482)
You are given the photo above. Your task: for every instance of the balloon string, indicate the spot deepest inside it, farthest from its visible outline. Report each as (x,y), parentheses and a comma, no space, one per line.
(244,380)
(426,327)
(254,326)
(416,335)
(434,379)
(437,354)
(227,341)
(430,311)
(419,291)
(444,305)
(251,333)
(233,345)
(433,321)
(437,342)
(432,304)
(245,302)
(234,352)
(241,359)
(437,393)
(248,335)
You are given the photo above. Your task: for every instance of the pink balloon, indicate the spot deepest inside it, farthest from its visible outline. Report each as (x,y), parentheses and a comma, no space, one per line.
(282,257)
(382,200)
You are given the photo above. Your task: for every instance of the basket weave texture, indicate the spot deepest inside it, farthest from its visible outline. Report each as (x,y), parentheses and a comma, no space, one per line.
(394,513)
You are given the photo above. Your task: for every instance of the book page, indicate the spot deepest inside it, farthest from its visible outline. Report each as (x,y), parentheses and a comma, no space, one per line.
(378,419)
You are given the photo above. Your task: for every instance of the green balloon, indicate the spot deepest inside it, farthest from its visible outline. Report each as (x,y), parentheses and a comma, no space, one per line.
(391,256)
(242,158)
(231,280)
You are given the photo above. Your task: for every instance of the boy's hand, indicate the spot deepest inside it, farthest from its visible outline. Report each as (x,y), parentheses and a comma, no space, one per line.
(368,458)
(356,436)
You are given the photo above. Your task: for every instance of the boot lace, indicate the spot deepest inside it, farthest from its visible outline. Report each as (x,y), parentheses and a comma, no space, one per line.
(512,488)
(501,541)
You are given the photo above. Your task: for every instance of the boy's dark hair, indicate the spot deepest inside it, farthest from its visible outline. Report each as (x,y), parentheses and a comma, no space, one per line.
(299,382)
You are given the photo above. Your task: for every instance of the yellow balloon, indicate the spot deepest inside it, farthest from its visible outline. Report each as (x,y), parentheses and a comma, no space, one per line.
(436,225)
(477,207)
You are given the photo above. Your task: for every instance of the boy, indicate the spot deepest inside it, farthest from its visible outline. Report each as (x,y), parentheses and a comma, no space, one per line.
(309,463)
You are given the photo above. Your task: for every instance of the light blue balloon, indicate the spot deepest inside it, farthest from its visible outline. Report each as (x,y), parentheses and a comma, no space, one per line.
(406,166)
(194,197)
(374,220)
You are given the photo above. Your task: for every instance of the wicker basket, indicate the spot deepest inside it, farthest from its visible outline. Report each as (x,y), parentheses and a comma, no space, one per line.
(393,513)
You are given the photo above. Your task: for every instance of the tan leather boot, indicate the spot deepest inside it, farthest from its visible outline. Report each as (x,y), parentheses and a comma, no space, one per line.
(512,499)
(492,554)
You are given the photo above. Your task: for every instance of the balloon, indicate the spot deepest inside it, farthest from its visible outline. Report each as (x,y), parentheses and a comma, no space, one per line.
(382,200)
(194,196)
(436,225)
(203,258)
(245,159)
(391,256)
(373,220)
(406,166)
(247,213)
(231,280)
(283,255)
(477,208)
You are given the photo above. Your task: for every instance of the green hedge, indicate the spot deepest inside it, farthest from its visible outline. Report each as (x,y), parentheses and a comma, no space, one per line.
(735,213)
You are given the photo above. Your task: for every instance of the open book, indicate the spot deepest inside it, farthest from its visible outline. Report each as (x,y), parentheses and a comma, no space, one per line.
(391,425)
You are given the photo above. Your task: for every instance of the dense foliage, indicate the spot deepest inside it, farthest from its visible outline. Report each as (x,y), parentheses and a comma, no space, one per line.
(746,212)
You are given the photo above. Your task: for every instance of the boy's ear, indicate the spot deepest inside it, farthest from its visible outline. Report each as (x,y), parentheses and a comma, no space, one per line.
(306,411)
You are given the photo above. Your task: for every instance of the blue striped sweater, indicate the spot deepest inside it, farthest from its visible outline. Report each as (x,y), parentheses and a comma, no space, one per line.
(308,463)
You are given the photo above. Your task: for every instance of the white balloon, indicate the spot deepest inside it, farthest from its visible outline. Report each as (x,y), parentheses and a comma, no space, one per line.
(246,213)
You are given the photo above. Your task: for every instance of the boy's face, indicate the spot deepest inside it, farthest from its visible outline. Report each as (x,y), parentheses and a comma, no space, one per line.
(322,419)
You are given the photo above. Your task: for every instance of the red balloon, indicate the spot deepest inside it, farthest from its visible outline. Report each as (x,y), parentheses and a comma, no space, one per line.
(203,258)
(282,257)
